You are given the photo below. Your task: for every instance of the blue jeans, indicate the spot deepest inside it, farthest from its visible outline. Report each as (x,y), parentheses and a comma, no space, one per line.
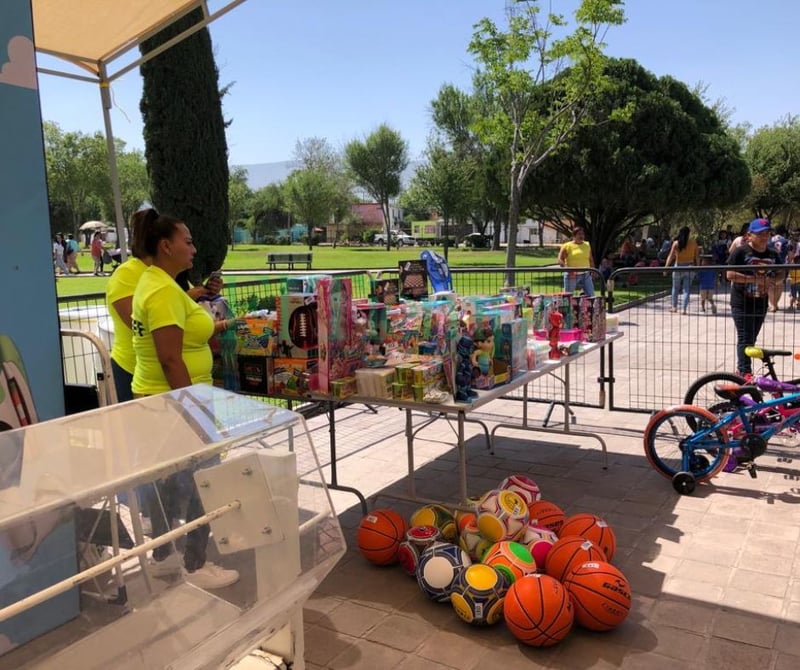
(122,382)
(681,281)
(748,317)
(573,280)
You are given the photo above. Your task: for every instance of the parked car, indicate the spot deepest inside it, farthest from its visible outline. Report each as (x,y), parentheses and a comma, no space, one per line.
(399,239)
(477,241)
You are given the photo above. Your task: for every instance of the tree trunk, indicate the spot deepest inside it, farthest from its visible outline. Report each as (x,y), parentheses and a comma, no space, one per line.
(513,226)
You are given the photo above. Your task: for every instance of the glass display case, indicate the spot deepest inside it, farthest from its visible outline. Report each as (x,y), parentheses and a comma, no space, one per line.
(98,480)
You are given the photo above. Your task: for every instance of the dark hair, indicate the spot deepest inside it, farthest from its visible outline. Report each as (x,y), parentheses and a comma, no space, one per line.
(578,228)
(139,222)
(156,227)
(683,238)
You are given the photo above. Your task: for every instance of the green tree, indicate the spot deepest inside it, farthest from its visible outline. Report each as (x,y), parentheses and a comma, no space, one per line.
(270,214)
(376,165)
(537,103)
(445,180)
(77,174)
(240,200)
(773,154)
(134,184)
(184,132)
(666,154)
(310,197)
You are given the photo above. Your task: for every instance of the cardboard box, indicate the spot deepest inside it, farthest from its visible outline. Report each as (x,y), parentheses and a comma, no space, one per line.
(291,376)
(254,374)
(297,313)
(258,336)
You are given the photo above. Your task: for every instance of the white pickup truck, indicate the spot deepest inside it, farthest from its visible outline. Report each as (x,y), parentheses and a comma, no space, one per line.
(399,239)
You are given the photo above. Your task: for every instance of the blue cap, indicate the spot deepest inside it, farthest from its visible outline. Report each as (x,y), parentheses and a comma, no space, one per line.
(759,226)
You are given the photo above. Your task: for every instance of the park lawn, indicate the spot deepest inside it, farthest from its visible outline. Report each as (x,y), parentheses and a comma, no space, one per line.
(254,256)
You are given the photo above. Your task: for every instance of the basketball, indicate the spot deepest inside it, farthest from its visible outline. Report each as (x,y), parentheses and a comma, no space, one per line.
(538,610)
(569,552)
(510,559)
(601,595)
(477,595)
(379,536)
(439,567)
(502,515)
(436,515)
(547,514)
(523,485)
(593,528)
(417,539)
(471,541)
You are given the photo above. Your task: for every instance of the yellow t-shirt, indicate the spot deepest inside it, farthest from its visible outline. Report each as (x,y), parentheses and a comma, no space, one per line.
(158,302)
(121,285)
(578,255)
(688,255)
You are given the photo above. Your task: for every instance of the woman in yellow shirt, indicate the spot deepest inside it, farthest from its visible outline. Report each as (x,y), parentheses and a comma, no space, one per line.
(577,253)
(170,340)
(684,252)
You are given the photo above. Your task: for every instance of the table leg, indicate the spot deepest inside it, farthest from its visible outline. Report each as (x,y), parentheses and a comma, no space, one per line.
(412,489)
(462,459)
(334,482)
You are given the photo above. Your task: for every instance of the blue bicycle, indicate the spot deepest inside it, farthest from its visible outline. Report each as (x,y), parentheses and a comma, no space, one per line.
(690,444)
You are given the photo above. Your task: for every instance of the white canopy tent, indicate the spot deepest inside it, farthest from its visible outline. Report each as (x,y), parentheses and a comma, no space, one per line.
(95,36)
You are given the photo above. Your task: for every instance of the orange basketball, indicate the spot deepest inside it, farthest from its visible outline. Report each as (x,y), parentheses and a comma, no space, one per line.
(379,536)
(601,595)
(593,528)
(538,610)
(568,552)
(544,513)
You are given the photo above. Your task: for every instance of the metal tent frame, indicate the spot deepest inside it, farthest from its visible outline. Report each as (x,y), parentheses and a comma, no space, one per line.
(92,35)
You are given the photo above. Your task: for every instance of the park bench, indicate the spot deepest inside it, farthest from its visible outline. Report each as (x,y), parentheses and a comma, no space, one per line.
(289,259)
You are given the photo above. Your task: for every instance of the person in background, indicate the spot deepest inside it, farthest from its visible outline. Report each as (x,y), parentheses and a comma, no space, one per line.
(740,239)
(707,280)
(780,244)
(750,287)
(683,253)
(58,255)
(97,253)
(170,340)
(71,250)
(627,252)
(794,278)
(577,253)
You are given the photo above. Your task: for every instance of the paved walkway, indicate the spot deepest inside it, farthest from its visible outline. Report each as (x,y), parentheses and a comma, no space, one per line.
(715,576)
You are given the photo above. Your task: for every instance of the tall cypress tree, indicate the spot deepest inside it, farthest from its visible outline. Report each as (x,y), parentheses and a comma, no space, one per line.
(184,133)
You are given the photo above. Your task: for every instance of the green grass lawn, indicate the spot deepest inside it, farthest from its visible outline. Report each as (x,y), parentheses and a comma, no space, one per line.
(254,256)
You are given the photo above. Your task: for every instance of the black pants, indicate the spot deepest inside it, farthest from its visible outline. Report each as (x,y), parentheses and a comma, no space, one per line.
(173,491)
(748,317)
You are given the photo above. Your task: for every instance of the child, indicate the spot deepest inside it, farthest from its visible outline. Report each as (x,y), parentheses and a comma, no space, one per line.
(708,284)
(794,279)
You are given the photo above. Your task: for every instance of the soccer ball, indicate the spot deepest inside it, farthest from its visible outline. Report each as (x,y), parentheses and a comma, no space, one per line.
(502,515)
(523,485)
(439,567)
(418,538)
(477,595)
(436,515)
(510,559)
(471,541)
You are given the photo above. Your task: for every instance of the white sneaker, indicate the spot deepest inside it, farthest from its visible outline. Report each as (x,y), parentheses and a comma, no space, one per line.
(212,576)
(171,565)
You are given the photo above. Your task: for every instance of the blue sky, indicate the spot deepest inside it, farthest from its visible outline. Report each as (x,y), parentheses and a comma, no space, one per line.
(339,69)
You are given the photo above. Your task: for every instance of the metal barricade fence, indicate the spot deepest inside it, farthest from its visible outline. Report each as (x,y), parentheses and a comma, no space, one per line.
(663,351)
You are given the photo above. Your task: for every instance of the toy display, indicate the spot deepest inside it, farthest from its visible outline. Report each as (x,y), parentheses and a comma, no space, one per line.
(413,279)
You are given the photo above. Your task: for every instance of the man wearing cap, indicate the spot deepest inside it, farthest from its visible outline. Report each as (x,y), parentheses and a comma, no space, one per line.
(750,287)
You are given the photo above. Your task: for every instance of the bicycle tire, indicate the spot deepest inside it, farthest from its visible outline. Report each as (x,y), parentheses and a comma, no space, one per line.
(663,443)
(701,392)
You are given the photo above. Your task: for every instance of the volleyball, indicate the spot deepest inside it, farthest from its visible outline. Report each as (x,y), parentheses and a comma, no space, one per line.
(538,611)
(593,528)
(477,595)
(601,595)
(471,541)
(379,536)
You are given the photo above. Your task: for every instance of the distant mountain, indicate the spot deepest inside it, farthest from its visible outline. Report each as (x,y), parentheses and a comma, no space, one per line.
(260,175)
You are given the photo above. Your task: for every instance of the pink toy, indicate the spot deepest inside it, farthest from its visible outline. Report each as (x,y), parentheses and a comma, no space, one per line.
(556,320)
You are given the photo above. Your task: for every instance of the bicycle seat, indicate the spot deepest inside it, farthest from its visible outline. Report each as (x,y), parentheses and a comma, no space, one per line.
(734,392)
(758,352)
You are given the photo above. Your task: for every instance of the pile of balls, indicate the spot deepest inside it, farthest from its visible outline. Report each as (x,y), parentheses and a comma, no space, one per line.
(513,556)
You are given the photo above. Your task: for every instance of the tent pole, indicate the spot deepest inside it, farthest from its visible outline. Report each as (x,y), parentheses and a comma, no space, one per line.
(105,96)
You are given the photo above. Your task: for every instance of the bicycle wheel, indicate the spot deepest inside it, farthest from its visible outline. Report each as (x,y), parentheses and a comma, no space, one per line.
(667,436)
(701,392)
